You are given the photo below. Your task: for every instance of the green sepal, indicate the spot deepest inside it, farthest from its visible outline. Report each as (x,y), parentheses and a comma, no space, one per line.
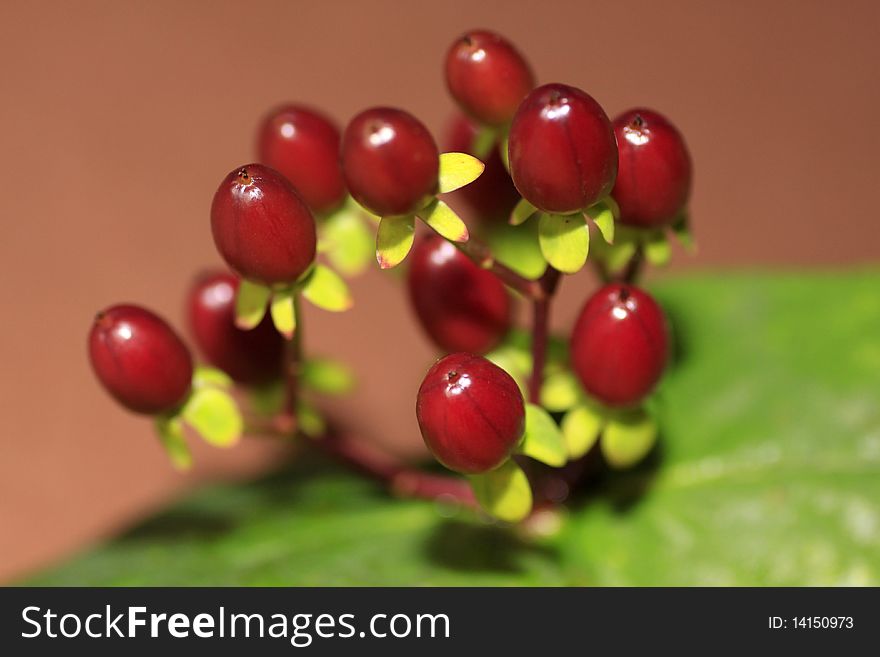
(394,239)
(484,141)
(214,415)
(309,420)
(542,439)
(604,214)
(517,247)
(560,391)
(346,240)
(170,431)
(327,376)
(204,375)
(628,437)
(267,399)
(681,228)
(250,304)
(564,241)
(458,170)
(504,152)
(504,492)
(581,427)
(522,212)
(327,289)
(283,312)
(656,247)
(444,221)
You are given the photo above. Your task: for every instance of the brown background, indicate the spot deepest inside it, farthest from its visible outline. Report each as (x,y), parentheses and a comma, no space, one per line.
(118,119)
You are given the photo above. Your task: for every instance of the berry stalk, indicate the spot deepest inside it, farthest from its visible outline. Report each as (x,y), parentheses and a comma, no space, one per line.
(540,332)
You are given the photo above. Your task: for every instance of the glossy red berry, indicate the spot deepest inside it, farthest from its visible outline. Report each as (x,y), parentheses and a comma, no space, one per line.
(492,196)
(261,226)
(303,146)
(654,172)
(249,357)
(139,359)
(619,345)
(460,306)
(471,413)
(487,76)
(563,155)
(390,161)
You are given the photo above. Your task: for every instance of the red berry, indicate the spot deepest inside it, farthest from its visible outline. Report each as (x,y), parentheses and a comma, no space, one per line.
(487,76)
(654,175)
(261,227)
(563,155)
(492,196)
(619,345)
(303,146)
(390,161)
(471,413)
(139,359)
(461,306)
(248,357)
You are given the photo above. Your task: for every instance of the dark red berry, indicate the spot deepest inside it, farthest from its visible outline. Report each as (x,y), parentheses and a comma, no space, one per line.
(619,345)
(461,306)
(249,357)
(654,172)
(303,146)
(390,161)
(471,413)
(261,226)
(487,76)
(139,359)
(563,155)
(492,196)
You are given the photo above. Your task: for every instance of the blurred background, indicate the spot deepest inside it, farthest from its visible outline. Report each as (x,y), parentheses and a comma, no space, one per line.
(119,119)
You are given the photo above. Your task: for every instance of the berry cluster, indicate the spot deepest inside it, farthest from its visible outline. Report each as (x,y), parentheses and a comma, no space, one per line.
(540,169)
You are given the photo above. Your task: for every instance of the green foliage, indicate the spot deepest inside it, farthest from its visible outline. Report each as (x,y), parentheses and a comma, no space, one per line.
(443,219)
(517,248)
(327,376)
(542,440)
(170,431)
(564,241)
(604,214)
(766,472)
(581,427)
(504,492)
(346,240)
(250,304)
(458,170)
(326,289)
(214,415)
(627,437)
(394,239)
(283,312)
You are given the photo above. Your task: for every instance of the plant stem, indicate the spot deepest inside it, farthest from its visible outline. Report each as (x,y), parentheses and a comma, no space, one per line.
(541,332)
(633,268)
(480,254)
(293,365)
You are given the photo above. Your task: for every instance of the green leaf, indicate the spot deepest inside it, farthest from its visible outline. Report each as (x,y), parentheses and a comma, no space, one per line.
(327,376)
(211,376)
(560,391)
(170,430)
(394,239)
(504,492)
(581,427)
(214,415)
(522,212)
(267,399)
(628,437)
(542,440)
(604,214)
(347,241)
(616,256)
(517,247)
(504,153)
(458,170)
(250,304)
(310,421)
(443,219)
(326,289)
(564,241)
(682,231)
(484,141)
(283,311)
(656,246)
(769,475)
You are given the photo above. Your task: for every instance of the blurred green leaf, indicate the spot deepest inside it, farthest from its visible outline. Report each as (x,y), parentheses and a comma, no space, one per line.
(444,221)
(560,391)
(628,436)
(522,212)
(458,170)
(267,399)
(211,376)
(170,430)
(564,241)
(604,214)
(283,311)
(326,289)
(327,376)
(767,473)
(484,141)
(580,429)
(394,239)
(250,304)
(309,420)
(682,231)
(542,440)
(214,415)
(348,242)
(504,492)
(656,246)
(517,247)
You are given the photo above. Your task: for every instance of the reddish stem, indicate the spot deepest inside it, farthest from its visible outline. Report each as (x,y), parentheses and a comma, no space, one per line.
(633,268)
(541,332)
